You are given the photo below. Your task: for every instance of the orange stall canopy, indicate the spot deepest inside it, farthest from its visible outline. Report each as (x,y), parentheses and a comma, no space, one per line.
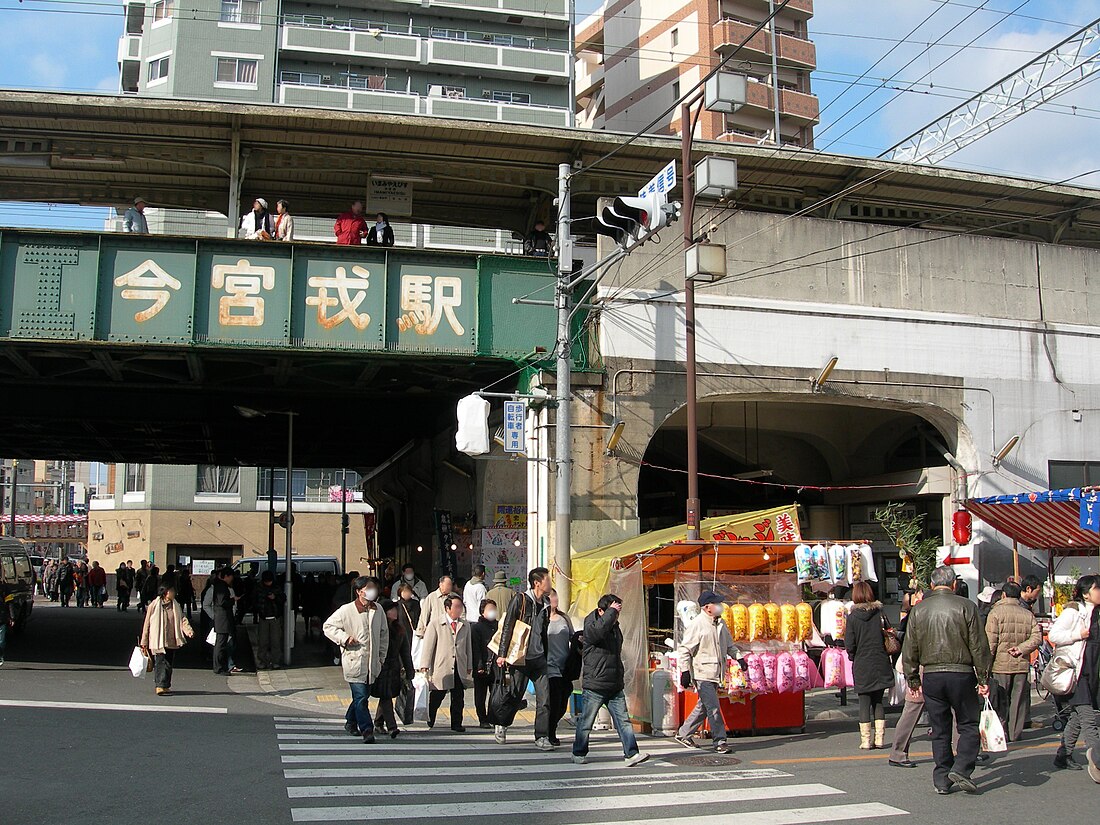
(739,558)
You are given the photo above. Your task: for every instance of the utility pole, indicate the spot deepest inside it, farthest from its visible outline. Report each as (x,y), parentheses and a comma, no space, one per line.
(14,487)
(775,71)
(563,438)
(692,509)
(344,521)
(288,583)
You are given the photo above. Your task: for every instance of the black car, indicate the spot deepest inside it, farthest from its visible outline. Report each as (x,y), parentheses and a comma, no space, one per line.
(17,575)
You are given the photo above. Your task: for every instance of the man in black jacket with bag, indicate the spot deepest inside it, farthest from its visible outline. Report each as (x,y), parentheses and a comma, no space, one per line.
(524,608)
(604,679)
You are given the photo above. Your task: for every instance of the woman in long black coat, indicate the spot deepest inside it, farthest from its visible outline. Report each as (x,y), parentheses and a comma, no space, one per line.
(388,685)
(872,670)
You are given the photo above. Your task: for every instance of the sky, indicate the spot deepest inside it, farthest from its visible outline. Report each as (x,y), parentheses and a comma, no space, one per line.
(885,69)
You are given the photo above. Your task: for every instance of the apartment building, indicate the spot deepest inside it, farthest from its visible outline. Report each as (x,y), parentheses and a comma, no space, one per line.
(636,57)
(219,514)
(489,60)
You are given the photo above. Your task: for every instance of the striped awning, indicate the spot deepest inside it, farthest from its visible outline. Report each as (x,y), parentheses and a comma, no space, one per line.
(1045,520)
(52,519)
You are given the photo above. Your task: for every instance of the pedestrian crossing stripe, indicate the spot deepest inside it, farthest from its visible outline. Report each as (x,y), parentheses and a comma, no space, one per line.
(387,770)
(501,807)
(517,786)
(789,816)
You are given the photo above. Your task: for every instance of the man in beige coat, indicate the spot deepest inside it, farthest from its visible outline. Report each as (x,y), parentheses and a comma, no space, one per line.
(360,629)
(447,659)
(1013,636)
(702,657)
(431,608)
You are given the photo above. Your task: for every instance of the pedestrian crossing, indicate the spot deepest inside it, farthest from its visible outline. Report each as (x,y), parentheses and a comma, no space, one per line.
(425,776)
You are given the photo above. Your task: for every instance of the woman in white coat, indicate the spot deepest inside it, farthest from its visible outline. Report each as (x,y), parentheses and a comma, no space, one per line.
(1077,633)
(360,630)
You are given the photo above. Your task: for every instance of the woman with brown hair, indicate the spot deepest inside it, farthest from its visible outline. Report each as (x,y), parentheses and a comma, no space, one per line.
(165,631)
(872,670)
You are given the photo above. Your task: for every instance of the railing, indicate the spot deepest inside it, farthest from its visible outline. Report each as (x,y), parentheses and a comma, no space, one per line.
(729,32)
(372,27)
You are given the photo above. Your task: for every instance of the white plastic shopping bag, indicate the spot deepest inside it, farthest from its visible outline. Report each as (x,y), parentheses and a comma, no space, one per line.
(420,703)
(211,637)
(138,663)
(992,732)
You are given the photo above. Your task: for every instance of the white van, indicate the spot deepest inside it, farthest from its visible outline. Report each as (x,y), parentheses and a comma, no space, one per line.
(303,565)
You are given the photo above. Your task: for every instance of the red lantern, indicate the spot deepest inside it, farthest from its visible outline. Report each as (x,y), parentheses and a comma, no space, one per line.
(961,527)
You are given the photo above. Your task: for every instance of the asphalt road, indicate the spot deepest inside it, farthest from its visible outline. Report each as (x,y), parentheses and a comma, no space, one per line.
(84,742)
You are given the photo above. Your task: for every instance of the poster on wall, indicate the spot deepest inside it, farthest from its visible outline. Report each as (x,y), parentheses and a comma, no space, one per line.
(502,548)
(513,516)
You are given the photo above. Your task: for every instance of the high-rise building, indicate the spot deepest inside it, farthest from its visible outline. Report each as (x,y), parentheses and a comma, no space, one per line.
(633,64)
(489,60)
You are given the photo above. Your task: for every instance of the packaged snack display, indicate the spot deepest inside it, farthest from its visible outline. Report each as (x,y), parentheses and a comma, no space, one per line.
(805,622)
(866,562)
(803,668)
(773,615)
(758,623)
(855,563)
(834,614)
(836,668)
(838,564)
(739,622)
(757,681)
(768,661)
(788,623)
(784,673)
(737,682)
(802,563)
(819,562)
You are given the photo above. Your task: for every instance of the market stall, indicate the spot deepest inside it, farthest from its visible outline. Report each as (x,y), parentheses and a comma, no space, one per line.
(757,562)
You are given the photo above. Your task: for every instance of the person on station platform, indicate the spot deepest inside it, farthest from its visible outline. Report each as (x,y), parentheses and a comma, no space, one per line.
(361,630)
(446,659)
(381,234)
(604,679)
(284,221)
(164,631)
(257,224)
(538,241)
(702,656)
(944,636)
(432,607)
(351,227)
(408,576)
(134,220)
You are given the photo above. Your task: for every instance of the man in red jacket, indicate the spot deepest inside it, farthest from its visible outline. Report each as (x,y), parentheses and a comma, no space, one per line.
(97,584)
(351,227)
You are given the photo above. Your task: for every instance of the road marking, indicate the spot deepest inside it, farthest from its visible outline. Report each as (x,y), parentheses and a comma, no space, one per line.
(19,703)
(515,786)
(615,766)
(317,719)
(696,799)
(860,758)
(502,752)
(329,697)
(411,759)
(789,816)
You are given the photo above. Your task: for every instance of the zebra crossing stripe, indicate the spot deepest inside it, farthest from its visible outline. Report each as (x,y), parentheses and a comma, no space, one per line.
(519,786)
(611,767)
(788,816)
(694,799)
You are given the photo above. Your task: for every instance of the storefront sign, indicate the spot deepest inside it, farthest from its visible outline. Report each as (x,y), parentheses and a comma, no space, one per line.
(511,516)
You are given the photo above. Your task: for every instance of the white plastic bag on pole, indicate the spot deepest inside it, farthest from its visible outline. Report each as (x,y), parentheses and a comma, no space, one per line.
(472,437)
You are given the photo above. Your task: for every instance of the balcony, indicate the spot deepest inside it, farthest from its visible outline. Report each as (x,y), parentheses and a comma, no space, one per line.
(802,9)
(298,89)
(795,105)
(129,48)
(531,10)
(588,78)
(379,43)
(791,51)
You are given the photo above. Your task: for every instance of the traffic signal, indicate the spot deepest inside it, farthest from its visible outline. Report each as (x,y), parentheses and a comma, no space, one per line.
(632,221)
(961,527)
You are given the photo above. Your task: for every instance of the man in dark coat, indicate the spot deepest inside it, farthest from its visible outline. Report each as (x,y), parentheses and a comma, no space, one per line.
(603,677)
(224,626)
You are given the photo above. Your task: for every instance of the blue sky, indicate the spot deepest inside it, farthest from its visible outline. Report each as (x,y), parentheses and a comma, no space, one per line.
(72,46)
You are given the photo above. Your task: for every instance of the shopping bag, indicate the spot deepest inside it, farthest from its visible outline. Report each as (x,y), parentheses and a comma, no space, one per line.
(896,696)
(211,637)
(138,663)
(992,733)
(420,700)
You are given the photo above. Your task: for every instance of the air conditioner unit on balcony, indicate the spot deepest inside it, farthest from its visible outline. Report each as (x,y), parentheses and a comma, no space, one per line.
(435,91)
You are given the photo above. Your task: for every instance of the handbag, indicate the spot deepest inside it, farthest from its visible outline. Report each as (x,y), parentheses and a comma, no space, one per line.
(1060,675)
(890,639)
(516,654)
(991,730)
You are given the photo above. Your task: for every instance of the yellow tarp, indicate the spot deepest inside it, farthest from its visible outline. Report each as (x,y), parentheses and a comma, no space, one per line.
(592,569)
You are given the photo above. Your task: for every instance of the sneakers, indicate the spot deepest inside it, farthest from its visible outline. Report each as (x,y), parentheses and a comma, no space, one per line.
(1064,762)
(543,744)
(904,763)
(963,782)
(686,741)
(636,759)
(351,728)
(500,734)
(721,747)
(1094,771)
(368,738)
(580,760)
(235,669)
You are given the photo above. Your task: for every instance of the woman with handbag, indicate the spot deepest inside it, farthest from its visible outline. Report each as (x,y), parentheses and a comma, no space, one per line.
(164,632)
(559,644)
(869,638)
(1076,635)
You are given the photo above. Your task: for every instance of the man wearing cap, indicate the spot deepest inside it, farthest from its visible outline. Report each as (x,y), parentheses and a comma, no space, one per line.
(258,225)
(501,593)
(134,219)
(702,656)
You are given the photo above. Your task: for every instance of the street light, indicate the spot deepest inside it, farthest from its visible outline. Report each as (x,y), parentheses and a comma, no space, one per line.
(288,608)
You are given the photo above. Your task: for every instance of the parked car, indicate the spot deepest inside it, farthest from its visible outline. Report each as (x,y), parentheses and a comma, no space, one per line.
(302,565)
(16,572)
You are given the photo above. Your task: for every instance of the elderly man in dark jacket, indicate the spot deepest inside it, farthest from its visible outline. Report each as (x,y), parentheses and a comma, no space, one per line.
(603,677)
(945,636)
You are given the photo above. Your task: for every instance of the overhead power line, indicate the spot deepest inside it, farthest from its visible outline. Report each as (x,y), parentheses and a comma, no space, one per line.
(1065,66)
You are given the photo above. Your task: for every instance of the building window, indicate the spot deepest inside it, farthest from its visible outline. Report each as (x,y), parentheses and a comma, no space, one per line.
(1063,474)
(135,478)
(237,71)
(215,479)
(308,485)
(449,34)
(456,92)
(675,89)
(674,35)
(158,70)
(241,11)
(163,10)
(510,97)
